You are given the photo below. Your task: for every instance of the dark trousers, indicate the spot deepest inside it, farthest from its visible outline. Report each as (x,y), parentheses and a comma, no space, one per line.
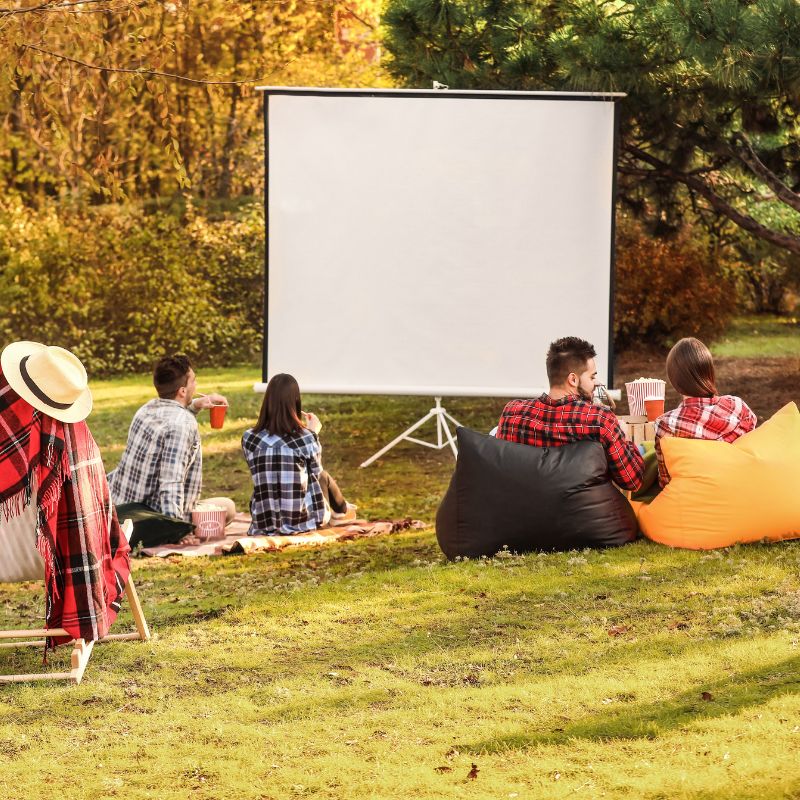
(332,493)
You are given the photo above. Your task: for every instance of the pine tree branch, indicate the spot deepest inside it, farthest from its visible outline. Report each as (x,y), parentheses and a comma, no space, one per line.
(745,153)
(150,72)
(719,204)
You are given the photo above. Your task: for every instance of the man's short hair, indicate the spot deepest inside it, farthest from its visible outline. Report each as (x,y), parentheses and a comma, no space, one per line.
(566,355)
(170,374)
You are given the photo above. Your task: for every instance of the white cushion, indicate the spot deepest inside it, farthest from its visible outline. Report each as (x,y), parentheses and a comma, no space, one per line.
(19,558)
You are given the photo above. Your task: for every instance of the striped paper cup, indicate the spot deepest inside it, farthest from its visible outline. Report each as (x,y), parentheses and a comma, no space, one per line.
(639,389)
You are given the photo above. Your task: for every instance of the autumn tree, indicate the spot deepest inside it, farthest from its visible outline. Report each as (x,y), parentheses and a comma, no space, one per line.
(105,99)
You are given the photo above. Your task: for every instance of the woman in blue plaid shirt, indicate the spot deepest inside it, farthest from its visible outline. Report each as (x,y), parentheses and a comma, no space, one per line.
(291,491)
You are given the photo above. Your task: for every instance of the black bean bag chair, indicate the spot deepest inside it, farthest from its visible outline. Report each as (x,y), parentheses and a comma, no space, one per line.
(504,494)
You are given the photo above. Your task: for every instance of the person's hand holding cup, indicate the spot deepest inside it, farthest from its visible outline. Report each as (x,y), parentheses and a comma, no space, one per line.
(217,405)
(312,422)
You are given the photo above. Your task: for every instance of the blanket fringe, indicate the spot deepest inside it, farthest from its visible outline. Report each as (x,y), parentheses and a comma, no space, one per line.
(45,548)
(15,505)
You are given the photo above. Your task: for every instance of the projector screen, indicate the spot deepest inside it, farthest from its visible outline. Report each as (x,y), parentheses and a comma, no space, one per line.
(435,243)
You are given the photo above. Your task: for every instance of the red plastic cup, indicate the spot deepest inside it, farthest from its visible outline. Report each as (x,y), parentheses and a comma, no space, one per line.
(653,407)
(217,412)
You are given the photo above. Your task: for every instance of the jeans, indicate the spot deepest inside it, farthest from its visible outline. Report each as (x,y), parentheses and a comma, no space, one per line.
(332,493)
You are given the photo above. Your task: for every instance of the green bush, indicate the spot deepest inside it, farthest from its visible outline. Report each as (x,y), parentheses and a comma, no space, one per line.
(668,288)
(120,287)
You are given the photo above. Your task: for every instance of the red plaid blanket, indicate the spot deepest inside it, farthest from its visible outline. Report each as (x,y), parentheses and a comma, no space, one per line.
(85,552)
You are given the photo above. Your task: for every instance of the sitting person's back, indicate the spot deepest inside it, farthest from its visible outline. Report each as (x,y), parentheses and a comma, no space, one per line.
(162,464)
(287,497)
(702,414)
(566,414)
(291,491)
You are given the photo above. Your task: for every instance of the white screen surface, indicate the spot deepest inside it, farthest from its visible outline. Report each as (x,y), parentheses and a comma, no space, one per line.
(435,245)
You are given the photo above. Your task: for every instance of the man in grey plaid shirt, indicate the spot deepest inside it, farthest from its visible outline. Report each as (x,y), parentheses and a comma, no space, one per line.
(162,465)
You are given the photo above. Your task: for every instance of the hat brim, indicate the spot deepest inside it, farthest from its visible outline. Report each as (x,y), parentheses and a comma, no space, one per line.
(10,360)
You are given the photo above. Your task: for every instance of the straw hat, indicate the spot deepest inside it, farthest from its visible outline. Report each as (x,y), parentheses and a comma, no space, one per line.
(50,378)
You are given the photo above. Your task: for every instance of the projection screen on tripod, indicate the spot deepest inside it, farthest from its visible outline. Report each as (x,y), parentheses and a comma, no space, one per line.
(435,243)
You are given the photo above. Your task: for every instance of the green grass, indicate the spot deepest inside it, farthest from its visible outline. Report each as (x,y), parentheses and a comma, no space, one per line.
(761,336)
(375,669)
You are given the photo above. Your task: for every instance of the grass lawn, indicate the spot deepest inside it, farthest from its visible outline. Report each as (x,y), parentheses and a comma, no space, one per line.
(375,669)
(764,335)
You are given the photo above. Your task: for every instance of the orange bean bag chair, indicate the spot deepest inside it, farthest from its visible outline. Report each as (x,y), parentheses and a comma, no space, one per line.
(720,494)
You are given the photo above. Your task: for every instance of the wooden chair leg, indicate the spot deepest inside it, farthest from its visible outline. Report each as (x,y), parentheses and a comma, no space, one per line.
(80,658)
(142,629)
(81,649)
(136,610)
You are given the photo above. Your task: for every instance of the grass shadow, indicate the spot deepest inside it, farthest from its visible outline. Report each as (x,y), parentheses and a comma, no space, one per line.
(705,701)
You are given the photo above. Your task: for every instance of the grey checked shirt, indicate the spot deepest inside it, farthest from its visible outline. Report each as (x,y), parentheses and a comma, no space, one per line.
(162,465)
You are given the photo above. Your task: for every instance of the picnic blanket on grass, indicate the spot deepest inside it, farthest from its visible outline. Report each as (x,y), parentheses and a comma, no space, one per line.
(237,541)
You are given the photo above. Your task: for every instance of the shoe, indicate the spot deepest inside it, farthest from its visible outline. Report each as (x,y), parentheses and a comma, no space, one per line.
(345,516)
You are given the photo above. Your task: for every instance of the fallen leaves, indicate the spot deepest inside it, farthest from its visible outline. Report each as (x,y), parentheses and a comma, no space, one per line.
(679,625)
(473,773)
(707,696)
(442,769)
(618,630)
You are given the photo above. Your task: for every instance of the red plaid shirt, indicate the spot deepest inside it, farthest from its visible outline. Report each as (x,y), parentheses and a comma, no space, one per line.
(545,422)
(725,418)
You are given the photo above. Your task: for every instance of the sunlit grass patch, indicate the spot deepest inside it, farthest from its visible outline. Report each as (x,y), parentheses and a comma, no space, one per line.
(764,335)
(377,669)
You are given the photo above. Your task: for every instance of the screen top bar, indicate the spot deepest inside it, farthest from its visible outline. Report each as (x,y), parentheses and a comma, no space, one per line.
(478,93)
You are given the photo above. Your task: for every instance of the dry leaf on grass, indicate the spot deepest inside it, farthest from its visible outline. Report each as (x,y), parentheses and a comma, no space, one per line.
(473,773)
(707,696)
(442,769)
(618,630)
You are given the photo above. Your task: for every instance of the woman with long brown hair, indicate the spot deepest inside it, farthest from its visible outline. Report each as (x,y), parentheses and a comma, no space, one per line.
(703,412)
(291,491)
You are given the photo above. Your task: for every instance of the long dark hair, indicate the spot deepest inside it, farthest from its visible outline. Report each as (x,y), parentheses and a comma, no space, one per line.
(281,410)
(690,369)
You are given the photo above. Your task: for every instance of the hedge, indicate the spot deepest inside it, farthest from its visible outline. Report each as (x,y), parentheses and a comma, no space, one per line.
(120,287)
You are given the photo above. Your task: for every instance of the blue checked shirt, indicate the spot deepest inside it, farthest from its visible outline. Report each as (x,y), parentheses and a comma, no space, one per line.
(287,497)
(162,465)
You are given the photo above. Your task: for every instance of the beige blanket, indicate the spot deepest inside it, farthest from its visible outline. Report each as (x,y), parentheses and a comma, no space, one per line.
(237,541)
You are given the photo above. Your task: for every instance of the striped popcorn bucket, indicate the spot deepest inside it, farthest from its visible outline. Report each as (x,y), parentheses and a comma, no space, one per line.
(209,522)
(641,388)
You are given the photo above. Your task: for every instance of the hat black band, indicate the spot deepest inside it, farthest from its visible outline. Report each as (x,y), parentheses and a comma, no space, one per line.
(36,391)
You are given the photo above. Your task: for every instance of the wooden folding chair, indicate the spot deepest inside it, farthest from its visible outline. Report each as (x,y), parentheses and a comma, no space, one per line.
(81,649)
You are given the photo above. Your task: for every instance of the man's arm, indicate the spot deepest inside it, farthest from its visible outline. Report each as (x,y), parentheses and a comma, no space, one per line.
(661,431)
(176,454)
(625,462)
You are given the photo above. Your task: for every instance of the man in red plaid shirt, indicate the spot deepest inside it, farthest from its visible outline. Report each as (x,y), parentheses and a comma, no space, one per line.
(566,414)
